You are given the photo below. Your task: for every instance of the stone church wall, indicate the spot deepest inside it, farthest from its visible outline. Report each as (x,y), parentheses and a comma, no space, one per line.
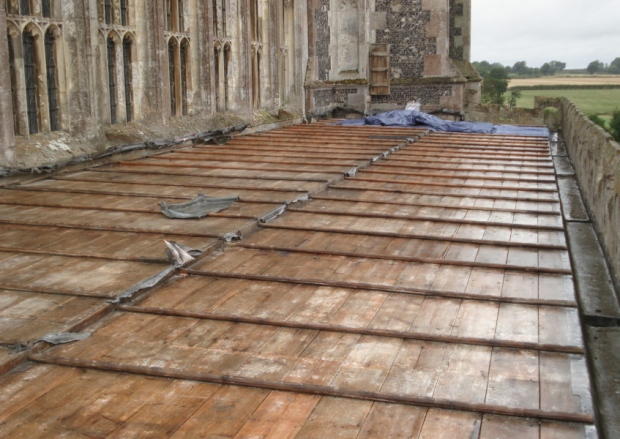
(109,72)
(83,77)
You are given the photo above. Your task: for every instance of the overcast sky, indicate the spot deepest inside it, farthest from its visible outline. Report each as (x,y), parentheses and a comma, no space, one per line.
(537,31)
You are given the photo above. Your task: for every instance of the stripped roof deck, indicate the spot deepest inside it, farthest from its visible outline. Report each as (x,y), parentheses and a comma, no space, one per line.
(428,293)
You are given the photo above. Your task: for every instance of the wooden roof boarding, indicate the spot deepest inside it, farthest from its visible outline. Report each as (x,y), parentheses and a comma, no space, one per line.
(369,283)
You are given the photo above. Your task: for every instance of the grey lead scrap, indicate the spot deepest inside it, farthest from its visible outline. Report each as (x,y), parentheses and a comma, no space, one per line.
(198,207)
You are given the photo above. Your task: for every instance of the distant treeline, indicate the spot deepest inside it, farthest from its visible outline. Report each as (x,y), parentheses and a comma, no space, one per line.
(566,87)
(521,69)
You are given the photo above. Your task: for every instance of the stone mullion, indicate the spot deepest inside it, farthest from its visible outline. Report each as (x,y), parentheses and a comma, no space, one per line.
(121,108)
(7,134)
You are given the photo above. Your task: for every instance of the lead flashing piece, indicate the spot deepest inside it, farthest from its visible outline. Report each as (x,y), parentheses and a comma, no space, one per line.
(198,207)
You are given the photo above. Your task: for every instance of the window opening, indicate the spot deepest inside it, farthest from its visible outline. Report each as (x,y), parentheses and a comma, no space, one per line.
(30,72)
(226,65)
(180,21)
(223,18)
(52,87)
(254,20)
(124,13)
(256,79)
(216,64)
(128,79)
(184,79)
(168,15)
(24,7)
(112,80)
(13,76)
(108,11)
(173,103)
(46,8)
(214,11)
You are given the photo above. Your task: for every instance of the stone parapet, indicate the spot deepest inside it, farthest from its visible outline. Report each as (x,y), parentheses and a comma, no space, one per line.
(596,159)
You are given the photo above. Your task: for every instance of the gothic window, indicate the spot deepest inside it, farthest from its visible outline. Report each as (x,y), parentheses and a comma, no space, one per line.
(180,25)
(255,30)
(255,37)
(178,57)
(31,74)
(178,70)
(226,69)
(13,76)
(171,73)
(216,68)
(52,84)
(286,47)
(24,7)
(34,68)
(224,17)
(221,64)
(168,6)
(117,57)
(46,8)
(107,5)
(184,60)
(214,13)
(112,79)
(219,18)
(175,18)
(124,13)
(256,61)
(127,72)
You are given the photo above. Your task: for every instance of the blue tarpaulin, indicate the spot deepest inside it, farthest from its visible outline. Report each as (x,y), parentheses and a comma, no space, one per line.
(412,118)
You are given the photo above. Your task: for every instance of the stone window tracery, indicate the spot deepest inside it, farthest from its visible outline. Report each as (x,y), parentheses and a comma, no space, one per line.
(13,79)
(52,82)
(256,51)
(46,8)
(179,73)
(31,72)
(222,50)
(287,42)
(111,52)
(128,77)
(117,36)
(35,62)
(175,16)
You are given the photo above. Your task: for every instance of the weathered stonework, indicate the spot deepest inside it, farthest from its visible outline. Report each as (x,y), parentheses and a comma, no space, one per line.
(322,44)
(430,95)
(406,34)
(596,159)
(7,137)
(113,73)
(425,42)
(144,72)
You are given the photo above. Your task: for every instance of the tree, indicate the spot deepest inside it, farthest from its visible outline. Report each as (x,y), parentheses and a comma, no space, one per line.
(552,67)
(614,67)
(557,66)
(494,85)
(595,67)
(514,97)
(484,67)
(546,69)
(520,68)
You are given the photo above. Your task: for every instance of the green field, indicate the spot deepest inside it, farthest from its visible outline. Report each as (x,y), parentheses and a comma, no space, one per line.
(601,102)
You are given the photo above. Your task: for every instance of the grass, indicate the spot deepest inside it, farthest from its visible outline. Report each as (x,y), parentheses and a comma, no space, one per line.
(601,102)
(566,80)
